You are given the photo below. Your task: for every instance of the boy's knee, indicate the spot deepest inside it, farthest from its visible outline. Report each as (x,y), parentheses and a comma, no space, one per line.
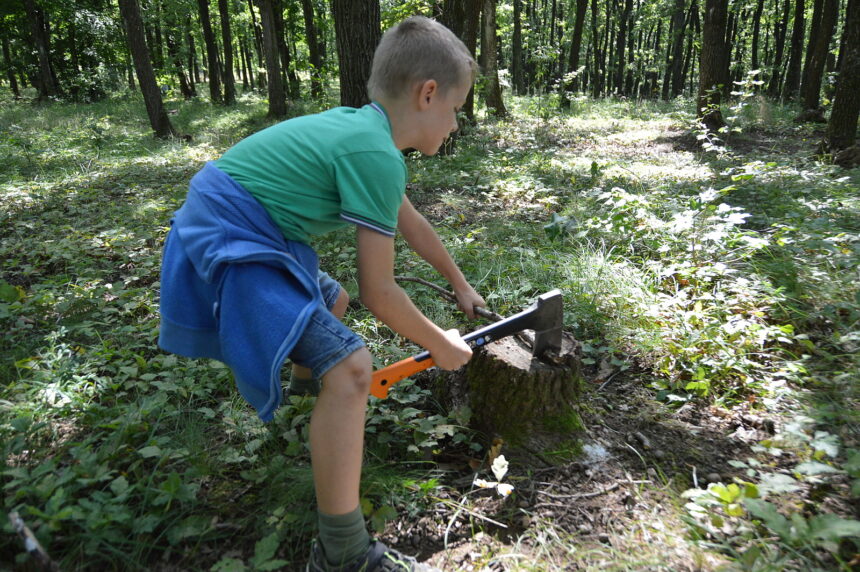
(352,374)
(340,305)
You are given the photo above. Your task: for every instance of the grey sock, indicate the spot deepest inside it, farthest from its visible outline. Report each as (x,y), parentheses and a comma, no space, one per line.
(343,537)
(299,386)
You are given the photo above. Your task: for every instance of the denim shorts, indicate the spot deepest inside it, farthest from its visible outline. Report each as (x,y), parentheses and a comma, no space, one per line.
(326,341)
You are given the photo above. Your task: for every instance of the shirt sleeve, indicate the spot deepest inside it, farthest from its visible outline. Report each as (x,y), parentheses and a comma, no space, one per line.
(371,186)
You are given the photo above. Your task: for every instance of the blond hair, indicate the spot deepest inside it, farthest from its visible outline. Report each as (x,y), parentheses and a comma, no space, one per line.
(416,50)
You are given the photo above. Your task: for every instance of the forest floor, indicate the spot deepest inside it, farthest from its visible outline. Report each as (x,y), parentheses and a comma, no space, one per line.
(714,292)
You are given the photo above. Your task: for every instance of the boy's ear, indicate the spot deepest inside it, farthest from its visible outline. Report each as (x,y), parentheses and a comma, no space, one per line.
(426,92)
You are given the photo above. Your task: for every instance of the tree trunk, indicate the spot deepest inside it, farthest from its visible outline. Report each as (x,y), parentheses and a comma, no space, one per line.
(227,41)
(597,64)
(529,403)
(46,77)
(357,28)
(712,68)
(792,75)
(571,84)
(781,27)
(211,52)
(842,127)
(130,12)
(493,93)
(812,74)
(759,9)
(313,49)
(289,74)
(517,49)
(10,68)
(277,97)
(678,48)
(621,45)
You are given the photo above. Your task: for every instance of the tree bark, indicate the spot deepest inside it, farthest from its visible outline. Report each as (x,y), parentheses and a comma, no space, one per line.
(517,75)
(211,52)
(573,58)
(46,76)
(357,28)
(313,49)
(759,9)
(678,28)
(10,67)
(529,403)
(227,41)
(792,75)
(130,12)
(814,71)
(842,127)
(621,45)
(781,28)
(277,96)
(493,93)
(712,67)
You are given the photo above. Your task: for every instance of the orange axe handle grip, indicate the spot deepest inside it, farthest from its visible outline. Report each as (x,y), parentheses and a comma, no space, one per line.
(384,378)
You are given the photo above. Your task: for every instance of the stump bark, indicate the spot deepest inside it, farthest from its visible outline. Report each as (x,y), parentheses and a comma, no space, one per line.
(530,403)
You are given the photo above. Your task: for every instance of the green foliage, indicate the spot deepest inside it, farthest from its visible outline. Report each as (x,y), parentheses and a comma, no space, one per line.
(725,279)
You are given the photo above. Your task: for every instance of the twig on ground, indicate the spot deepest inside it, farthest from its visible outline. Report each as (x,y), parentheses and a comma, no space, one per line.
(31,544)
(608,489)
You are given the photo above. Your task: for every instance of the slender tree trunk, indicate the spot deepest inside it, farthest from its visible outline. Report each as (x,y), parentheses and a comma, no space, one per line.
(792,75)
(812,76)
(289,74)
(313,49)
(517,49)
(130,12)
(842,127)
(575,47)
(759,9)
(227,41)
(10,68)
(357,28)
(47,79)
(780,29)
(678,29)
(621,45)
(211,52)
(493,93)
(277,96)
(712,67)
(176,58)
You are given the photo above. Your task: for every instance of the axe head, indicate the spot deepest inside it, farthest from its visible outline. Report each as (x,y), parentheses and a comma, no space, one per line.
(547,322)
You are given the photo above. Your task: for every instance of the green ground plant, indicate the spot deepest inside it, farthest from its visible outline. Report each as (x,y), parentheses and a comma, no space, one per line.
(722,278)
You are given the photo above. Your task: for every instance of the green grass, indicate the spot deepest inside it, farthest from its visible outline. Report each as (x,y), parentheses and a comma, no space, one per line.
(121,457)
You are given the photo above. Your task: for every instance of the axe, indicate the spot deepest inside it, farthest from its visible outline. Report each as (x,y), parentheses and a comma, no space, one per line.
(545,317)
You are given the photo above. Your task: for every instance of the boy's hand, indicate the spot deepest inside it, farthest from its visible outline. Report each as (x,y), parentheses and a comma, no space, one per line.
(453,355)
(467,299)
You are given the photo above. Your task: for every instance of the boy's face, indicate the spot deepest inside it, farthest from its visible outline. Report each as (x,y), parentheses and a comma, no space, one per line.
(440,117)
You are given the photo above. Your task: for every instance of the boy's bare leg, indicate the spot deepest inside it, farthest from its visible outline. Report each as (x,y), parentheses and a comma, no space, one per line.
(337,433)
(339,309)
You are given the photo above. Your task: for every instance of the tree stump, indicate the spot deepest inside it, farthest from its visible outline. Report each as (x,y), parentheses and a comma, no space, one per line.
(530,403)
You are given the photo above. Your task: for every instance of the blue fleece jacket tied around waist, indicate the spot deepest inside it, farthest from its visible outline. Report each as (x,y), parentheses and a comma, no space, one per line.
(233,288)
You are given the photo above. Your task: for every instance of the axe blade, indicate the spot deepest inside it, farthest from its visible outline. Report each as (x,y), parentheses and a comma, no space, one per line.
(548,322)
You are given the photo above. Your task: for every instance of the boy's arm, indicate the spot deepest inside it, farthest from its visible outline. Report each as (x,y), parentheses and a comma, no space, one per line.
(387,301)
(421,237)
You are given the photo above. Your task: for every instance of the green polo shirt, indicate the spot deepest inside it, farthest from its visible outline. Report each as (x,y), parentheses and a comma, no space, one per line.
(316,173)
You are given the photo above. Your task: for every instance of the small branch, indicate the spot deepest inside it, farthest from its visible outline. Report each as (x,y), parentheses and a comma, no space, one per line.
(608,489)
(31,544)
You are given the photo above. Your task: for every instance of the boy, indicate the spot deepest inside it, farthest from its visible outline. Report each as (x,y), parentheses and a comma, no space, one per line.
(241,284)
